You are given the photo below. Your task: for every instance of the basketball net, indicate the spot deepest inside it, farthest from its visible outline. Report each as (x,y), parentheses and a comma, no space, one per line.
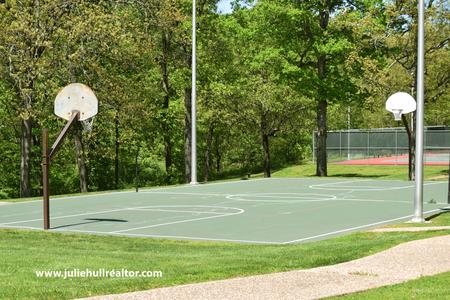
(397,114)
(87,124)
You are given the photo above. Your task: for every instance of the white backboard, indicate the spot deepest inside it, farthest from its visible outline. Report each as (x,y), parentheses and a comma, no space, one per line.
(76,96)
(400,103)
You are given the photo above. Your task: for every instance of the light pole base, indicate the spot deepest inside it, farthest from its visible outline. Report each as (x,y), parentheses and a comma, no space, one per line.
(417,220)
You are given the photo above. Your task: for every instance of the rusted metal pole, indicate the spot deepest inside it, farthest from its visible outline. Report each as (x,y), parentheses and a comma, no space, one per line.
(45,166)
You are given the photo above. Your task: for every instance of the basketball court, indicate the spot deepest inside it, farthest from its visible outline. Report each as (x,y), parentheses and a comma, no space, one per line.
(268,211)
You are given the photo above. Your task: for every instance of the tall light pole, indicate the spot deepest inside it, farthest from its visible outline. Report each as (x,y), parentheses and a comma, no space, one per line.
(194,98)
(418,197)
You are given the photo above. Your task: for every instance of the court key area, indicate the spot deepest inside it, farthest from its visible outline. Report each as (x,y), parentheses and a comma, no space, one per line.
(268,211)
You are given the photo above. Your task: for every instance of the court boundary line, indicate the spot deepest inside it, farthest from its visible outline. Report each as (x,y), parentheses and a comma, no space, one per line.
(142,190)
(167,236)
(121,209)
(240,211)
(150,189)
(219,239)
(354,228)
(106,233)
(324,186)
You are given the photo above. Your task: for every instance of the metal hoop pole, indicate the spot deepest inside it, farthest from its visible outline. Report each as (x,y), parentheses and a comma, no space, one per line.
(45,189)
(194,98)
(418,198)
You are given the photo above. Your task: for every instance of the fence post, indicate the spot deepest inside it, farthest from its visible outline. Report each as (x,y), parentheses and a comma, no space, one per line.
(448,192)
(396,147)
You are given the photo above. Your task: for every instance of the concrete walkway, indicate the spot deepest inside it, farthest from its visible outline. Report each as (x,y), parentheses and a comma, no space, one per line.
(401,263)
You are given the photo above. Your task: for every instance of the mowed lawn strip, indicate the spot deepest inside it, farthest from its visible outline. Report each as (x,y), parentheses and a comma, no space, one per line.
(424,288)
(23,252)
(370,172)
(442,219)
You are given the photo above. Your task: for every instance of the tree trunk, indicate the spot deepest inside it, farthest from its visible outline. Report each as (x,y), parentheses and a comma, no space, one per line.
(116,150)
(321,165)
(208,151)
(265,142)
(25,167)
(137,168)
(321,155)
(411,148)
(217,153)
(167,93)
(79,152)
(187,134)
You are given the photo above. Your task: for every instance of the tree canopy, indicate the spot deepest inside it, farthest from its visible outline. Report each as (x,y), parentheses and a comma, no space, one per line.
(268,75)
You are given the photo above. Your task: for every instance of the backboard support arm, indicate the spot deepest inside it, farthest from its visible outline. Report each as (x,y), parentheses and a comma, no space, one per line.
(47,155)
(75,116)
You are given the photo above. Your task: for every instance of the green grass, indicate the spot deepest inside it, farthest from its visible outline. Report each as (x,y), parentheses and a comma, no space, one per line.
(426,288)
(375,172)
(441,219)
(23,252)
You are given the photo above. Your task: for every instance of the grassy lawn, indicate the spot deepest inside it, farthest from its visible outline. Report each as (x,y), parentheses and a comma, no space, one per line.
(442,219)
(375,172)
(23,252)
(426,288)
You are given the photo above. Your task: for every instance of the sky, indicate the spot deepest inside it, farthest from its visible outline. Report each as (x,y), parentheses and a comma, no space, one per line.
(224,6)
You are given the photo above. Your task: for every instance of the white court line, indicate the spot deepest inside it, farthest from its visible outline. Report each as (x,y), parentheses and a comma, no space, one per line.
(354,228)
(146,190)
(67,216)
(203,184)
(177,211)
(363,188)
(283,195)
(348,180)
(168,236)
(114,210)
(339,182)
(240,197)
(185,193)
(71,197)
(240,211)
(20,227)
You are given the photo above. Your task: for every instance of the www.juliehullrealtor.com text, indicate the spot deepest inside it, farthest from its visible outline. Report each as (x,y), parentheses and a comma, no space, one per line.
(98,273)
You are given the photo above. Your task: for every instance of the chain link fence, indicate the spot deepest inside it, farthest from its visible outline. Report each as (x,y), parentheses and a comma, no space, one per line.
(382,142)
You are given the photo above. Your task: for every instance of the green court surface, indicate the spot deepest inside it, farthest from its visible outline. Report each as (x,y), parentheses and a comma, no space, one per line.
(272,211)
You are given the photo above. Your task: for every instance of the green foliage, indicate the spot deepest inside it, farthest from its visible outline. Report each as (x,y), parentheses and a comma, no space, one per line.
(257,76)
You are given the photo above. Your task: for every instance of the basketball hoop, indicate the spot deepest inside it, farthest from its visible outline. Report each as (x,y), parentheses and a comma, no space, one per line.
(74,103)
(399,104)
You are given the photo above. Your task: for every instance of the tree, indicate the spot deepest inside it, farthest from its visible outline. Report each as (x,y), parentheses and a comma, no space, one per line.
(28,29)
(403,69)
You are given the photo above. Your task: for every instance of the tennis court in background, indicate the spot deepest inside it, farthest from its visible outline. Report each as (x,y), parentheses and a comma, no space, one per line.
(268,211)
(430,159)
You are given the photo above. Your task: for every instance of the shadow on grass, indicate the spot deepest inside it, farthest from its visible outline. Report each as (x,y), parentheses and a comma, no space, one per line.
(444,172)
(90,221)
(443,211)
